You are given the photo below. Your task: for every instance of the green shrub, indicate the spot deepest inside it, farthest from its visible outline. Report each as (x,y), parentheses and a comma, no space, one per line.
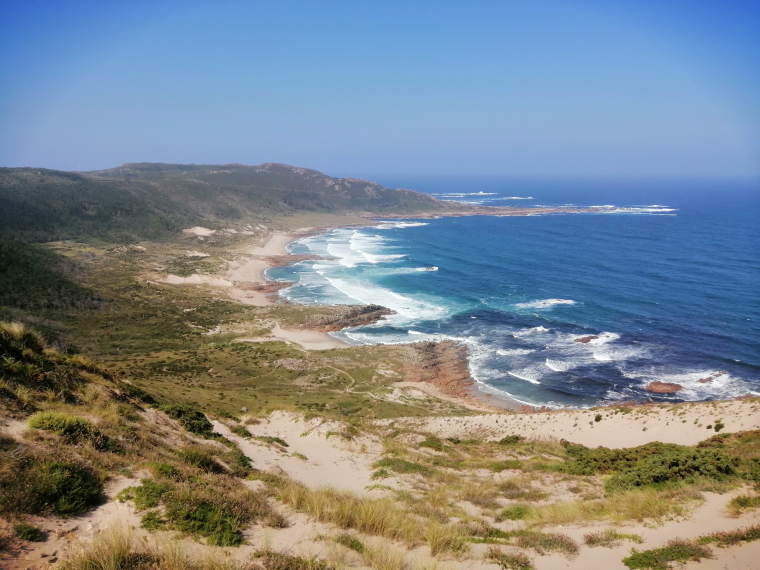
(73,429)
(514,513)
(350,541)
(499,466)
(432,443)
(598,418)
(270,439)
(165,470)
(511,439)
(201,458)
(191,418)
(199,513)
(147,495)
(677,550)
(30,533)
(402,466)
(719,426)
(152,521)
(242,431)
(40,485)
(654,464)
(744,502)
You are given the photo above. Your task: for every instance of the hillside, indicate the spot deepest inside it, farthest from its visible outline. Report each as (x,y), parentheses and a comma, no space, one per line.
(152,201)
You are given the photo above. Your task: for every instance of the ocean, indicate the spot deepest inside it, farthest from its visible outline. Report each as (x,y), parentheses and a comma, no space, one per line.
(662,283)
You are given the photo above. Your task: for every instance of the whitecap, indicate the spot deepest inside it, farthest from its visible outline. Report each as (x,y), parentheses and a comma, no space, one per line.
(513,351)
(561,365)
(529,374)
(544,303)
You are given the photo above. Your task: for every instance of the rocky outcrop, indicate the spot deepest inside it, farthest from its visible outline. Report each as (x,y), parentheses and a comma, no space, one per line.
(664,387)
(441,363)
(711,377)
(345,316)
(587,339)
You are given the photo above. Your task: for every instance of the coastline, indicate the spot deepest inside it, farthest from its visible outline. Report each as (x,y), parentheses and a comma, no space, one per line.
(460,388)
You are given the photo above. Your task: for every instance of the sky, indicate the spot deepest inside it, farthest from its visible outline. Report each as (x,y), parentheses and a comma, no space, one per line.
(515,88)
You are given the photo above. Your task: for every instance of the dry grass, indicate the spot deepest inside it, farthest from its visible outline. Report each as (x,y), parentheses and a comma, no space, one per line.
(639,505)
(119,549)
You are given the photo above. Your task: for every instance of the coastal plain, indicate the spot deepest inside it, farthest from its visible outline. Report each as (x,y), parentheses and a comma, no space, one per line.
(210,424)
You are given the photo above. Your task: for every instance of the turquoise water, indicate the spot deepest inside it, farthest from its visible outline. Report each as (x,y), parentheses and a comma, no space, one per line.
(666,276)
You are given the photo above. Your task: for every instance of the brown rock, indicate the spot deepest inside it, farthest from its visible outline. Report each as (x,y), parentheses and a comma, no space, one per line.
(585,339)
(664,387)
(344,316)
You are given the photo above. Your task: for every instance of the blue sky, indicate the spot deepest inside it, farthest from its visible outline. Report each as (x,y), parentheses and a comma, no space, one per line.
(542,89)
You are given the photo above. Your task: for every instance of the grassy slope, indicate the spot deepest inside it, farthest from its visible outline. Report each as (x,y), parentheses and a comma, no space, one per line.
(154,201)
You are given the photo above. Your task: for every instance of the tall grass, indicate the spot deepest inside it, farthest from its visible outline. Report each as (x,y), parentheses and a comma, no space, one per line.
(638,504)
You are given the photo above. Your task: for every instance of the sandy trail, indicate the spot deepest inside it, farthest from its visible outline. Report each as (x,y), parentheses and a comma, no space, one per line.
(331,461)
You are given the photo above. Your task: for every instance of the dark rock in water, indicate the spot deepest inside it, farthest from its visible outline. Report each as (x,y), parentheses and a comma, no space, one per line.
(345,316)
(585,339)
(712,377)
(664,387)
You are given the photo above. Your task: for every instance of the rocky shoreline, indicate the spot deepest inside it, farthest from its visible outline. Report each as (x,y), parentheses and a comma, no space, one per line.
(346,316)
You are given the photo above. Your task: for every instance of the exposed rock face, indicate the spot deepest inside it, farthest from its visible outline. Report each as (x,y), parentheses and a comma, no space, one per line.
(664,388)
(585,339)
(345,316)
(441,363)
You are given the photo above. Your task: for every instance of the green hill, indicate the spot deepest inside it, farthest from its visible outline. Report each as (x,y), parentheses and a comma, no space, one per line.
(150,201)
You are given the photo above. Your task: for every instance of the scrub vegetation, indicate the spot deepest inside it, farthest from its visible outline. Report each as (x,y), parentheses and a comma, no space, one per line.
(110,376)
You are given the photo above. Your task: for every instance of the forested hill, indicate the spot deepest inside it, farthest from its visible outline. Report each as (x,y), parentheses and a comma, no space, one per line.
(149,201)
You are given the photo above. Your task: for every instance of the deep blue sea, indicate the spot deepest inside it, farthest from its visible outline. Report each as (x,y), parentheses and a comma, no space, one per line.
(666,275)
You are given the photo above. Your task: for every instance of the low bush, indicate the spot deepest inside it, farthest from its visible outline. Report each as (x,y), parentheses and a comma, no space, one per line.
(654,464)
(29,533)
(270,439)
(201,458)
(432,443)
(676,550)
(165,470)
(73,429)
(147,495)
(742,503)
(499,466)
(241,431)
(548,542)
(39,485)
(271,560)
(350,541)
(152,521)
(402,466)
(514,513)
(511,439)
(191,418)
(609,538)
(509,560)
(732,537)
(218,512)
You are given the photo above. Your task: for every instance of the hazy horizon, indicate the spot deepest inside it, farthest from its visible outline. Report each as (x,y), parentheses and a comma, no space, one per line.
(547,90)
